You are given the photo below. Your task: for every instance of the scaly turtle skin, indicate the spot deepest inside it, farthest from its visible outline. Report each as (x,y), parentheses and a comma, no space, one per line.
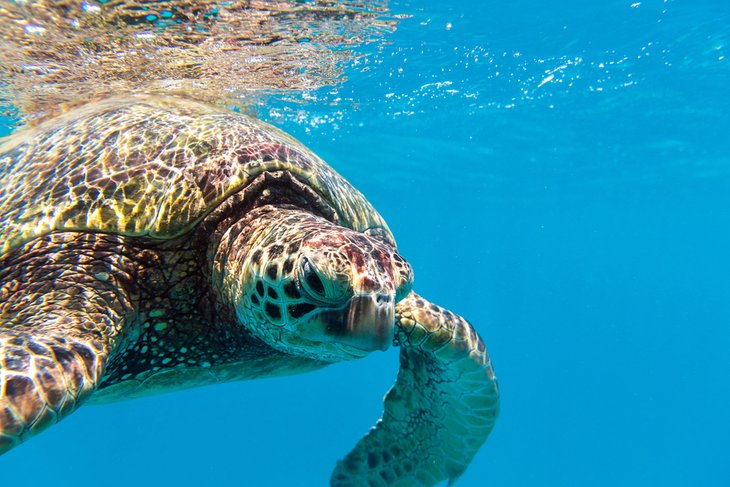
(150,244)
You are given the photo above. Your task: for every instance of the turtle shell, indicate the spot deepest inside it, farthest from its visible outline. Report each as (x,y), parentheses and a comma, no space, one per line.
(151,166)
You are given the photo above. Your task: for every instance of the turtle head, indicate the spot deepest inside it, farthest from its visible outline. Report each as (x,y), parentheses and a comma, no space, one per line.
(309,287)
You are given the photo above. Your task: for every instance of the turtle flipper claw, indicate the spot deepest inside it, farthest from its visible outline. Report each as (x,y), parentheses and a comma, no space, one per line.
(440,411)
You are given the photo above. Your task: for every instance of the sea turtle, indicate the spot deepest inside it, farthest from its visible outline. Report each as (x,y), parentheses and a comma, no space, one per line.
(151,243)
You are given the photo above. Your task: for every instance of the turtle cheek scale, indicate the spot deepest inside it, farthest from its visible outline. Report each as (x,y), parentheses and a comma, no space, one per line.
(258,280)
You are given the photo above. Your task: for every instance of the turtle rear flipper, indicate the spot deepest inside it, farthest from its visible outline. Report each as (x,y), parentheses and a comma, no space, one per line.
(42,379)
(440,411)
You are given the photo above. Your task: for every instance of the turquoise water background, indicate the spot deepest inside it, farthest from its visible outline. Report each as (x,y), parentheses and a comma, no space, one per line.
(556,172)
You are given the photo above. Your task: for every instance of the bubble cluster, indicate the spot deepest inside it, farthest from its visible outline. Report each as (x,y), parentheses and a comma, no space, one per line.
(440,62)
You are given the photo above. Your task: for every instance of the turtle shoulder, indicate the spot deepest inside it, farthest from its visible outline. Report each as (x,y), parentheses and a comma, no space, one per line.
(151,166)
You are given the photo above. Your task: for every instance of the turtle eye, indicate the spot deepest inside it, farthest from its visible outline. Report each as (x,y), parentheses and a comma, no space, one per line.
(321,287)
(311,280)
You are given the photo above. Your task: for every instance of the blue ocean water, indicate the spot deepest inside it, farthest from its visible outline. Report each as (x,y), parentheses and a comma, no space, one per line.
(556,172)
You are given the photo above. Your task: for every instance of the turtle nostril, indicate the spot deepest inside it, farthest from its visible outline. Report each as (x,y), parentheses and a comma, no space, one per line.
(382,298)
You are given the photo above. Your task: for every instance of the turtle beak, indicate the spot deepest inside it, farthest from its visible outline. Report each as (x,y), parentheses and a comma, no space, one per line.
(365,323)
(370,322)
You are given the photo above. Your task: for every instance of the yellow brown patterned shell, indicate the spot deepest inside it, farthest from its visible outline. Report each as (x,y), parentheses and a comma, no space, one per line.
(150,166)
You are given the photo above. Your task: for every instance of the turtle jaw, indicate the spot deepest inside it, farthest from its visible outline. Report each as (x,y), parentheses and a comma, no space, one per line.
(370,322)
(366,324)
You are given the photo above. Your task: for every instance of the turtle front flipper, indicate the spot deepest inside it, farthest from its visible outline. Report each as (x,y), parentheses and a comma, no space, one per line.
(42,380)
(61,309)
(440,411)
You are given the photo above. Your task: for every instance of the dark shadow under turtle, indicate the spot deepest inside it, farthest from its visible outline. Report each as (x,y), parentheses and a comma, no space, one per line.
(151,244)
